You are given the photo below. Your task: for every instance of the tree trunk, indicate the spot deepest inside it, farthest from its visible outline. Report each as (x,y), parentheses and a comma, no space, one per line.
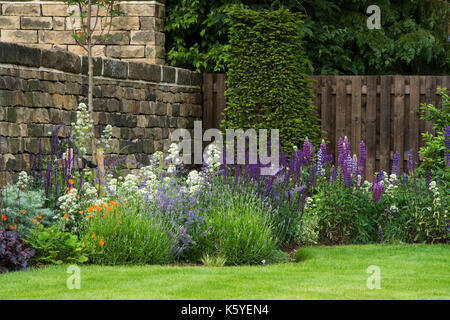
(91,82)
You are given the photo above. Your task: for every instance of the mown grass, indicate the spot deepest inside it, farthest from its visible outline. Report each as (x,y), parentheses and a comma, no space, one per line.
(407,272)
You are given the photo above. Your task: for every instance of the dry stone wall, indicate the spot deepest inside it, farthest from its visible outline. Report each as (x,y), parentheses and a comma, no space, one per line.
(136,36)
(40,90)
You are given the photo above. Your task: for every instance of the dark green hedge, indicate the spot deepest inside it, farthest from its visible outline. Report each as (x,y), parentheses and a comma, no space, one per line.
(267,80)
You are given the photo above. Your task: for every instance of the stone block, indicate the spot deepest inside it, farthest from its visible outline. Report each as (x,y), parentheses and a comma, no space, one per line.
(61,60)
(125,51)
(144,71)
(9,22)
(122,23)
(54,10)
(169,74)
(36,22)
(19,36)
(115,69)
(56,37)
(19,9)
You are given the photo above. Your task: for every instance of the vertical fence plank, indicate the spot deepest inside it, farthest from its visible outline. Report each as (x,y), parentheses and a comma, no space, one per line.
(220,100)
(385,122)
(414,113)
(371,125)
(399,113)
(208,101)
(340,108)
(325,101)
(356,114)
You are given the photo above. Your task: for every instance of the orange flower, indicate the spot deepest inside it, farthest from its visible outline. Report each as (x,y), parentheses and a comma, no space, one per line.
(95,246)
(96,207)
(71,181)
(102,242)
(39,217)
(3,217)
(65,216)
(93,236)
(88,216)
(112,203)
(81,212)
(38,222)
(108,209)
(119,221)
(24,211)
(90,209)
(32,220)
(12,227)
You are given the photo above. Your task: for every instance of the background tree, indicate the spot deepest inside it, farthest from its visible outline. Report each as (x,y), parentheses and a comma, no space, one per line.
(267,80)
(413,38)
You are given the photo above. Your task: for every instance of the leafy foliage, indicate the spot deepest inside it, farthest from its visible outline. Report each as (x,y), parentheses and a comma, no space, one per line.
(267,81)
(433,152)
(55,247)
(127,235)
(239,227)
(24,208)
(15,254)
(337,41)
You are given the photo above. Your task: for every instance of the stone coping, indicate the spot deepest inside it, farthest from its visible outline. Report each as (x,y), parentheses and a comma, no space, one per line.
(22,55)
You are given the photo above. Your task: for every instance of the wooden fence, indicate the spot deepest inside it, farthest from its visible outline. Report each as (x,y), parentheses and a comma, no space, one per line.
(384,111)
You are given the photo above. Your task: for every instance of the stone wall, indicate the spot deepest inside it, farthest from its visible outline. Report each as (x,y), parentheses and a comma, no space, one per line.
(40,90)
(137,35)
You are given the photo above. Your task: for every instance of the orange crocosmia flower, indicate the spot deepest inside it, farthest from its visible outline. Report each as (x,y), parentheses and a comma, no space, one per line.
(119,221)
(103,205)
(32,220)
(39,217)
(108,209)
(90,209)
(12,227)
(65,216)
(71,181)
(95,246)
(102,242)
(24,211)
(3,217)
(93,236)
(111,203)
(89,216)
(38,222)
(81,212)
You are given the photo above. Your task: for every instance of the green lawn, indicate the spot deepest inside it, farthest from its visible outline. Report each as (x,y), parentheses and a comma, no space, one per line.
(407,272)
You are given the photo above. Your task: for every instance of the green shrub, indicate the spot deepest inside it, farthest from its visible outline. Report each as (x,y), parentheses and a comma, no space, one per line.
(55,247)
(24,208)
(307,232)
(127,235)
(238,227)
(267,81)
(346,214)
(417,213)
(432,153)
